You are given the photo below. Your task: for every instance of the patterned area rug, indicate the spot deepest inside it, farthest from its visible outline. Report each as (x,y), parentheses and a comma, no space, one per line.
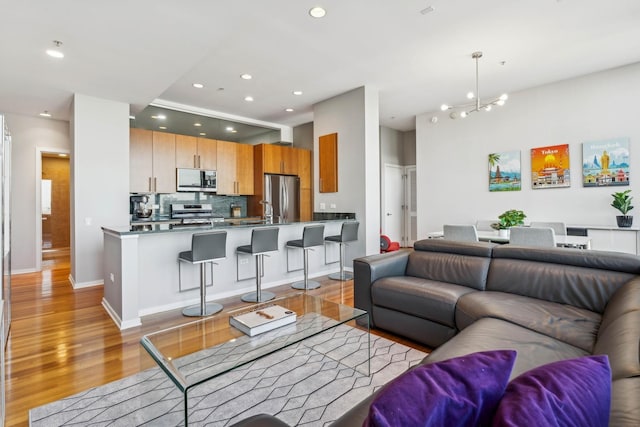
(310,384)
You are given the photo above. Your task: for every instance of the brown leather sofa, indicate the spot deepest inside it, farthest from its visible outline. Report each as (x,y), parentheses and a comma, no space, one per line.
(547,304)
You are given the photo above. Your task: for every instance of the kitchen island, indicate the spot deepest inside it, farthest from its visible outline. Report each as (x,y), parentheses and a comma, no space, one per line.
(141,266)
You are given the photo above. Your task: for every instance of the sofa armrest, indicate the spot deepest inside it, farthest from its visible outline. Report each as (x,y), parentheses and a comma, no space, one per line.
(367,270)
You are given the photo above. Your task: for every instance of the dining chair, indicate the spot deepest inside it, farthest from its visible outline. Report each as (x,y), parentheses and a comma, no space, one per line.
(485,224)
(559,228)
(460,233)
(532,236)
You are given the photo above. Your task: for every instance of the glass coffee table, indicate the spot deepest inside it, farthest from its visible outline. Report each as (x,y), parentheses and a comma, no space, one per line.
(199,351)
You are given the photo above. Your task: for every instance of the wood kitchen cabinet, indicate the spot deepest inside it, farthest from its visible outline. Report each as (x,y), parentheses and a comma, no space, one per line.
(279,159)
(152,161)
(328,163)
(198,153)
(235,168)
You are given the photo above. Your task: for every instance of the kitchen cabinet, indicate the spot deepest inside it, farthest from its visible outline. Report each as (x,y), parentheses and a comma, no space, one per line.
(304,167)
(279,159)
(328,163)
(198,153)
(235,168)
(152,161)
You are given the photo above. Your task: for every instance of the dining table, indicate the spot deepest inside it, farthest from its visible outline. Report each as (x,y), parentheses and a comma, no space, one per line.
(562,241)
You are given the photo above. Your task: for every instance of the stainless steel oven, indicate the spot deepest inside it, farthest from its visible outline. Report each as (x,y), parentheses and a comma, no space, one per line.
(196,180)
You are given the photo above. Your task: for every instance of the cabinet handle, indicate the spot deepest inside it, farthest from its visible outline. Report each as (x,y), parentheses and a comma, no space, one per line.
(149,183)
(321,185)
(195,164)
(199,164)
(155,184)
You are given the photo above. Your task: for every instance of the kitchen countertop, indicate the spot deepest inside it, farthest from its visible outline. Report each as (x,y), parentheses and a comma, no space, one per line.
(154,227)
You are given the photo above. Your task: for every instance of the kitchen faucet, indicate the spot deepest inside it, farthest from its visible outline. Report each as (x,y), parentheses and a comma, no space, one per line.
(267,211)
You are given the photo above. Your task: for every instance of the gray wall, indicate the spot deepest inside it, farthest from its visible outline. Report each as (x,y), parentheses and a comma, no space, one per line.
(28,135)
(409,142)
(354,116)
(100,181)
(397,147)
(303,136)
(452,155)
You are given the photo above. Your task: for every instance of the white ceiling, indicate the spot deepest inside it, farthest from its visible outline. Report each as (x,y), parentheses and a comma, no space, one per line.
(143,50)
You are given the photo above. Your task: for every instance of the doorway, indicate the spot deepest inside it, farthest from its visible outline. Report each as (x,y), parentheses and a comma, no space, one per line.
(54,209)
(399,216)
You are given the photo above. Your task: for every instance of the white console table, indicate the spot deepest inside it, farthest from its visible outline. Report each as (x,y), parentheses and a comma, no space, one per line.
(612,238)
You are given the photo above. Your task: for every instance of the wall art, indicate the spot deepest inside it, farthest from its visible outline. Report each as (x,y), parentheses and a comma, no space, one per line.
(504,171)
(550,167)
(605,163)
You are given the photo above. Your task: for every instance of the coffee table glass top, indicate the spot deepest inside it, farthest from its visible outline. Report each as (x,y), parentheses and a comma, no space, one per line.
(195,352)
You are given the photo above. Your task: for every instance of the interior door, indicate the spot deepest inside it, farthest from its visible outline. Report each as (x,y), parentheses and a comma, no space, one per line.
(410,211)
(393,202)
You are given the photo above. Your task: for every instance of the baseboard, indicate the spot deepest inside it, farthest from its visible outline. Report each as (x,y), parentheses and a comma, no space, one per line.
(116,319)
(81,285)
(24,271)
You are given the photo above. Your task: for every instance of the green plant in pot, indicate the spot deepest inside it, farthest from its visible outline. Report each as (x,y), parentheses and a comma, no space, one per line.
(508,219)
(622,202)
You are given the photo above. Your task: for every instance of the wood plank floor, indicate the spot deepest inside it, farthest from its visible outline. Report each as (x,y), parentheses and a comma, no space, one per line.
(62,341)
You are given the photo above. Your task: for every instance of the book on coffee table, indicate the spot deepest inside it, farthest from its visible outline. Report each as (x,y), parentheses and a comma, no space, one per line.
(262,319)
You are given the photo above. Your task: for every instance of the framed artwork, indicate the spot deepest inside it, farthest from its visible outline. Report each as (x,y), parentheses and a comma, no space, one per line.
(550,167)
(605,163)
(504,171)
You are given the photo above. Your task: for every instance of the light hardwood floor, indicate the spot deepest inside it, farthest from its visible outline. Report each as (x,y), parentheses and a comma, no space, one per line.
(62,341)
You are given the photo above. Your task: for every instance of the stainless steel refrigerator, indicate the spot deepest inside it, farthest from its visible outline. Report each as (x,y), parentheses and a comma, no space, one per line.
(283,193)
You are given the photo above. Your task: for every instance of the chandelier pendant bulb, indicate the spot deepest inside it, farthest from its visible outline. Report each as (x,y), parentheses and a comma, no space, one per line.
(477,105)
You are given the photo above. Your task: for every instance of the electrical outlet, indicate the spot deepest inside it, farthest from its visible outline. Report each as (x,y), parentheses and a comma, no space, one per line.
(244,261)
(333,205)
(88,221)
(112,277)
(323,206)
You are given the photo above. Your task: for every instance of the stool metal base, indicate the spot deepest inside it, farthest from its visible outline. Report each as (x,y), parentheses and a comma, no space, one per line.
(253,296)
(345,275)
(196,310)
(300,285)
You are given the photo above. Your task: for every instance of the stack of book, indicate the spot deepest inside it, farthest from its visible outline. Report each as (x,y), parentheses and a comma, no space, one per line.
(262,319)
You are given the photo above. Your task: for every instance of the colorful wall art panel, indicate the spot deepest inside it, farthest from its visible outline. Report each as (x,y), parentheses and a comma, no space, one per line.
(605,163)
(550,167)
(504,171)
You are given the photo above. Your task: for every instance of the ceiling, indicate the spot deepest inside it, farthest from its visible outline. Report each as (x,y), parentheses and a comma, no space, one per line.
(143,51)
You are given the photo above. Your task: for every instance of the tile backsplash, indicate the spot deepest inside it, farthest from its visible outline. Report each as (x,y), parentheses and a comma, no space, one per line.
(221,204)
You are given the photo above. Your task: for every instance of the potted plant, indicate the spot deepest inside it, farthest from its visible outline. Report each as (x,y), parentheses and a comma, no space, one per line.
(508,219)
(622,202)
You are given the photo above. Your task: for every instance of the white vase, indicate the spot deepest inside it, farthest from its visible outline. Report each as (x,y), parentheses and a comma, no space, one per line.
(503,232)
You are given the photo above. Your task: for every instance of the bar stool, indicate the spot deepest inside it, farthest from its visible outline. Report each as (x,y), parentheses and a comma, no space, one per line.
(348,233)
(312,235)
(263,240)
(205,248)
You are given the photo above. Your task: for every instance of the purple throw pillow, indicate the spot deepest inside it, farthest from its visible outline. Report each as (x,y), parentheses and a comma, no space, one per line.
(574,392)
(463,391)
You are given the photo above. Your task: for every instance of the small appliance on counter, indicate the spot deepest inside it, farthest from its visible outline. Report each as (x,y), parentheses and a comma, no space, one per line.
(194,214)
(139,208)
(236,210)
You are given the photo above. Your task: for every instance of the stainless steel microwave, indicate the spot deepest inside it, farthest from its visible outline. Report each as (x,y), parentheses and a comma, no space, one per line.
(196,180)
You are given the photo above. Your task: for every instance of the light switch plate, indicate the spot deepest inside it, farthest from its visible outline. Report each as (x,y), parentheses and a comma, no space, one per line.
(323,206)
(333,205)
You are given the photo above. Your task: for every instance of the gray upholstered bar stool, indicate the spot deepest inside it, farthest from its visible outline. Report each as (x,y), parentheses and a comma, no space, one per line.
(312,235)
(263,240)
(205,248)
(348,233)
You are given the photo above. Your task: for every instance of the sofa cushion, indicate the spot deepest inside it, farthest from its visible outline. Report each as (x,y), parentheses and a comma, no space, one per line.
(534,349)
(625,395)
(574,392)
(462,391)
(576,326)
(432,334)
(423,298)
(585,279)
(455,268)
(626,299)
(620,340)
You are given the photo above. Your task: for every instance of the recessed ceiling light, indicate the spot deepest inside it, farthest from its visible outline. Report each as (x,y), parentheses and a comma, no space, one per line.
(234,131)
(427,10)
(248,98)
(317,12)
(202,133)
(162,127)
(45,113)
(56,52)
(197,124)
(229,129)
(288,110)
(297,92)
(198,85)
(159,117)
(246,76)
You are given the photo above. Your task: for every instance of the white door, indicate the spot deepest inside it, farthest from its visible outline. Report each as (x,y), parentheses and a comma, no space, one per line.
(410,212)
(393,202)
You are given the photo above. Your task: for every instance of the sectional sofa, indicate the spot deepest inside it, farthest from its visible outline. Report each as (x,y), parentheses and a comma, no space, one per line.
(548,305)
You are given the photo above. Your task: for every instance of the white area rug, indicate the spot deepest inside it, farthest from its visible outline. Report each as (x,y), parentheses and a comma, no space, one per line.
(310,384)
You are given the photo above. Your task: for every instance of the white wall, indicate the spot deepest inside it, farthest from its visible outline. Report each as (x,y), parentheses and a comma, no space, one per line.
(28,135)
(354,116)
(451,155)
(100,181)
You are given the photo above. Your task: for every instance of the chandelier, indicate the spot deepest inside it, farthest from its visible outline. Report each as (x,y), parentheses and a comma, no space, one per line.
(476,104)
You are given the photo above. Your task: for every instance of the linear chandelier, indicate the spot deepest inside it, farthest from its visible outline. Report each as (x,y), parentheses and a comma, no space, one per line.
(477,104)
